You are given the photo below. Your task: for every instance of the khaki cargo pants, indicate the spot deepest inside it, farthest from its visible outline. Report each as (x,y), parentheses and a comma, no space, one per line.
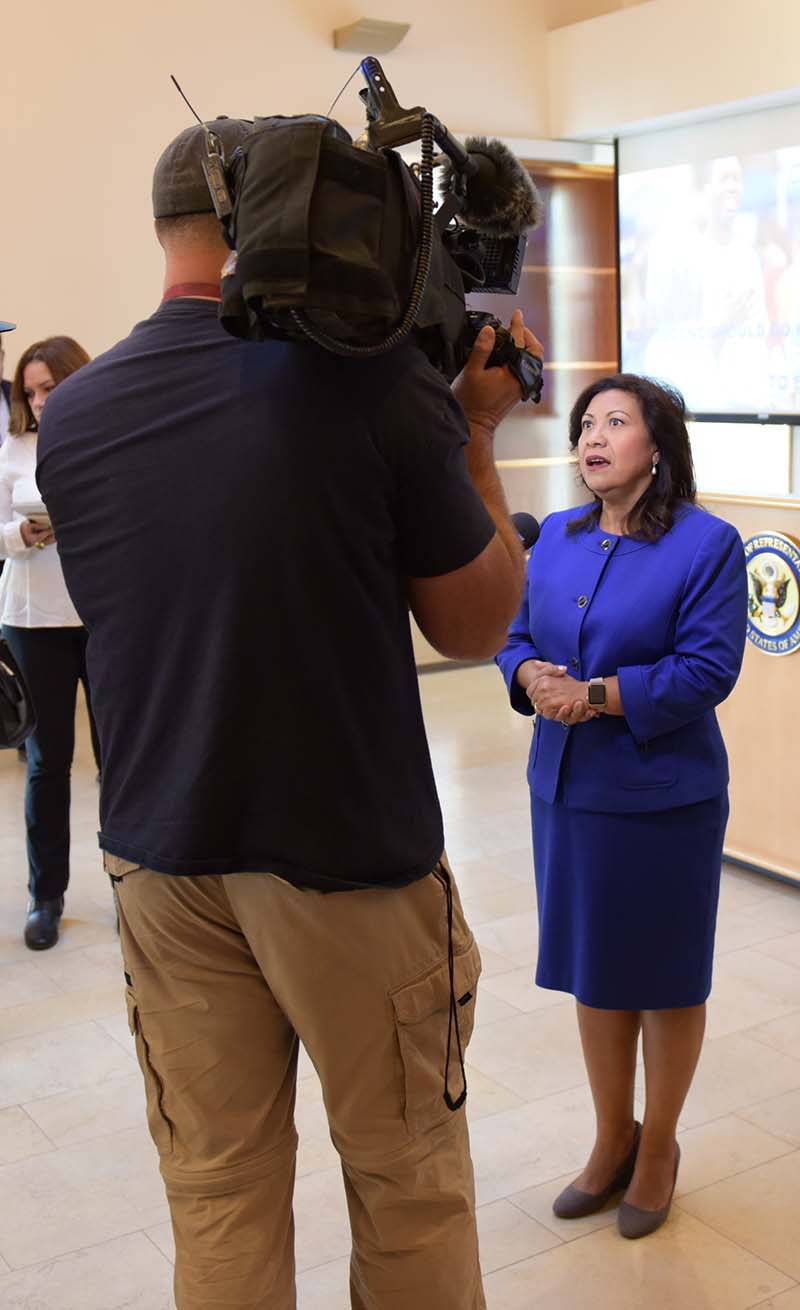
(224,974)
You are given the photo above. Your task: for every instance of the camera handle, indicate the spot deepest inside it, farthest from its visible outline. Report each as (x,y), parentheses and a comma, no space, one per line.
(389,125)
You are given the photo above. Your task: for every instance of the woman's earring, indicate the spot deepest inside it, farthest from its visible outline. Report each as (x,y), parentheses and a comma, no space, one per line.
(654,469)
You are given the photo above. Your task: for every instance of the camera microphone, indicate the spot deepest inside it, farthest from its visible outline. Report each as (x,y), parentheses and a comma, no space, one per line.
(500,198)
(527,528)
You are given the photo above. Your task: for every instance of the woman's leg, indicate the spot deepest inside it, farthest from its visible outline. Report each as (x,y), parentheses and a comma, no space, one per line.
(671,1042)
(49,664)
(609,1039)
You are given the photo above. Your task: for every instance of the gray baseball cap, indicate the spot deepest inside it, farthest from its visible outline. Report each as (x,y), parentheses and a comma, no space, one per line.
(179,184)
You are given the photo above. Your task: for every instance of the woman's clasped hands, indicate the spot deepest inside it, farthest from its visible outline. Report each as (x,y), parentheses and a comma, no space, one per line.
(555,694)
(36,534)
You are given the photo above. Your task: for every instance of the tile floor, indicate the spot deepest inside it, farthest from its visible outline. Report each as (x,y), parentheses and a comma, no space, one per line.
(83,1224)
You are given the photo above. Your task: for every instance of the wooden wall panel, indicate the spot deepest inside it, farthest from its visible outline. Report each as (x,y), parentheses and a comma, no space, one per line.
(761,725)
(568,292)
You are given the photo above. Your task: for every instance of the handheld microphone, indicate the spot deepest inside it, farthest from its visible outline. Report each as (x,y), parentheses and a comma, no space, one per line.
(500,200)
(527,528)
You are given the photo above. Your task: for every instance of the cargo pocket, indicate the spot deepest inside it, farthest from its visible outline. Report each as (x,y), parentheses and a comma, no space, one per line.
(158,1123)
(422,1019)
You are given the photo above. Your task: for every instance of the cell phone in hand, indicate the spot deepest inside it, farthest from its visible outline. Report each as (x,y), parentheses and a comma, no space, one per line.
(35,513)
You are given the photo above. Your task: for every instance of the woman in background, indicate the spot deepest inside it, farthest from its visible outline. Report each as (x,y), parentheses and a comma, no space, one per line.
(42,628)
(631,632)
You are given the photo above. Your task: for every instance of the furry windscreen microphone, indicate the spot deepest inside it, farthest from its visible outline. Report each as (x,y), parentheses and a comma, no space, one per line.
(501,199)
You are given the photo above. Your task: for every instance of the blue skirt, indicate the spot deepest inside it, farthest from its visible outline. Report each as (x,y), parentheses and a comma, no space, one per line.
(628,903)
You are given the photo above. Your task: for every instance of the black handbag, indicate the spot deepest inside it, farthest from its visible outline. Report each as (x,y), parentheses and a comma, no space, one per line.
(17,720)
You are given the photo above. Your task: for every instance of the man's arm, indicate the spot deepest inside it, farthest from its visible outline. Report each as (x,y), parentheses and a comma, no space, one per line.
(466,614)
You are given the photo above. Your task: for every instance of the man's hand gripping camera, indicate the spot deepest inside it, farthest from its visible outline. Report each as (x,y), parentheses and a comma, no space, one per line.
(526,367)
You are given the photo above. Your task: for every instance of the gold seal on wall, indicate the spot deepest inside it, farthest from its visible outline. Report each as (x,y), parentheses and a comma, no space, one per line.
(773,602)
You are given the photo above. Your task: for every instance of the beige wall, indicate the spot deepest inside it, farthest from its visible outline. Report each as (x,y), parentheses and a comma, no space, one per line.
(560,13)
(86,106)
(668,57)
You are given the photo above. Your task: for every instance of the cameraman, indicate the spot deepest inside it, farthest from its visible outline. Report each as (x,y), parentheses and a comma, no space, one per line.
(242,527)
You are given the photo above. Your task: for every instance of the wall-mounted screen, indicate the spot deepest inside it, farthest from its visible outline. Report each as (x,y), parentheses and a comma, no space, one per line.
(710,261)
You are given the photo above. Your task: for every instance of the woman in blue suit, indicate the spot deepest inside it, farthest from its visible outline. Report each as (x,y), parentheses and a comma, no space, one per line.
(630,633)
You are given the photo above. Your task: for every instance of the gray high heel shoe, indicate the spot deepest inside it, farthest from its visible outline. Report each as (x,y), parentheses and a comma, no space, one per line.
(634,1222)
(572,1203)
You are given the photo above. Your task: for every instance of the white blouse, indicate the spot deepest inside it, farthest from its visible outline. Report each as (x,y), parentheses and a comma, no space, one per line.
(33,593)
(5,416)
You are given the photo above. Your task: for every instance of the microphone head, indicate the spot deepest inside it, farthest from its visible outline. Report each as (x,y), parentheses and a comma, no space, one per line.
(501,199)
(527,528)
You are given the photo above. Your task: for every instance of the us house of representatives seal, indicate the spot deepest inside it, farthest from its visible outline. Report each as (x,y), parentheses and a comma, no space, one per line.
(773,602)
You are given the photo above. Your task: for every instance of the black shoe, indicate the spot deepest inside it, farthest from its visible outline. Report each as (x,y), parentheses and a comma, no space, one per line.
(41,925)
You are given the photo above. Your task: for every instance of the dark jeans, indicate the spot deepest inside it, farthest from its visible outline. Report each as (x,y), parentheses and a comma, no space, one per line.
(53,662)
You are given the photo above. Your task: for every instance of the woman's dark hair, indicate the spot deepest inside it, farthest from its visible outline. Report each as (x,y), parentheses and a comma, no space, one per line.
(664,412)
(63,356)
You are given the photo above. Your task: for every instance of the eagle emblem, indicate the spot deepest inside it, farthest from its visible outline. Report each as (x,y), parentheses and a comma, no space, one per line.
(769,591)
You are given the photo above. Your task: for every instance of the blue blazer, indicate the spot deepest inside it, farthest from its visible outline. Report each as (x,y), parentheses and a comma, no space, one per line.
(669,619)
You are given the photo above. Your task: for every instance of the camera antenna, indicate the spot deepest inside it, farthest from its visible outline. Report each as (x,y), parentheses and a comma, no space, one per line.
(336,101)
(185,98)
(213,164)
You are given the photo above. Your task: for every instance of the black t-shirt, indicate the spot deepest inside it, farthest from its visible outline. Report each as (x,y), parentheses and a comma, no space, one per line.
(236,522)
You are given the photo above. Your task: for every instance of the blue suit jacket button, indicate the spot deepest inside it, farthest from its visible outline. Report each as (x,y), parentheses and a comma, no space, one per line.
(583,601)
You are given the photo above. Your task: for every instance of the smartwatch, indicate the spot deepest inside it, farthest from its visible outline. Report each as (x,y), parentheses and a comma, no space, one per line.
(597,693)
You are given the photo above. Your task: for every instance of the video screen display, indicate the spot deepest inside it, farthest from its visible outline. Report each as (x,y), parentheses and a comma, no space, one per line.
(710,276)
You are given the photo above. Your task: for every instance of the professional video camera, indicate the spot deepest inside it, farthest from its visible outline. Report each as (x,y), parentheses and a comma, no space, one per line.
(341,243)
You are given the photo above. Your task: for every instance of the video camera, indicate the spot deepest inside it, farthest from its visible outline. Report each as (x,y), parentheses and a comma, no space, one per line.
(340,243)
